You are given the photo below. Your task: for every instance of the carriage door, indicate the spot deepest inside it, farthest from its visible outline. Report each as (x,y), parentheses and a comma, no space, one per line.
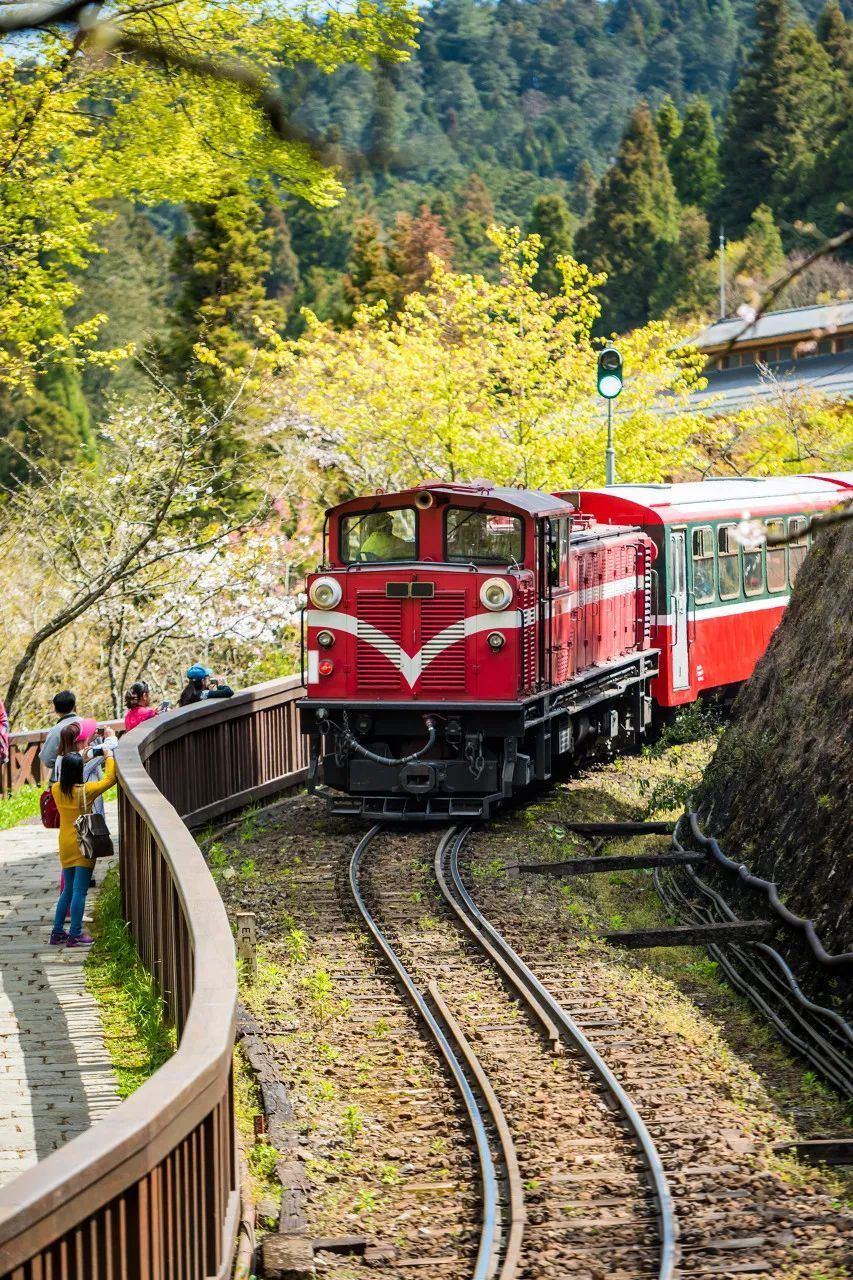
(678,599)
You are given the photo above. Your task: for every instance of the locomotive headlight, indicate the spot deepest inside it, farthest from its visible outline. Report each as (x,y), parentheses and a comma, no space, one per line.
(325,639)
(496,640)
(495,593)
(325,593)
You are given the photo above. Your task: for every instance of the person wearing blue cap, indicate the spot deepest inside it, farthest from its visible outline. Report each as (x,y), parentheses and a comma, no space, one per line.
(202,684)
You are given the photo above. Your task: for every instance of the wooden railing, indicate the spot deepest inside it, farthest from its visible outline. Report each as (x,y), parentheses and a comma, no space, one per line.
(22,768)
(151,1191)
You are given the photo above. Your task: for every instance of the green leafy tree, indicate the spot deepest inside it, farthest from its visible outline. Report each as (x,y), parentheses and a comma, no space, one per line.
(79,131)
(836,36)
(693,157)
(221,266)
(779,120)
(551,221)
(763,254)
(633,226)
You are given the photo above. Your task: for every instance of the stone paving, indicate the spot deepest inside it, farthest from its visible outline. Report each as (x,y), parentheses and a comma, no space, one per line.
(56,1078)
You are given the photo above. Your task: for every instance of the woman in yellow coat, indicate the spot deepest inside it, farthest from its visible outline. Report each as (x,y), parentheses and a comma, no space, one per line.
(72,798)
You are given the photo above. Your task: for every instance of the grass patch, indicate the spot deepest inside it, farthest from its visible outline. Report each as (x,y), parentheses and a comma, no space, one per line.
(136,1034)
(19,806)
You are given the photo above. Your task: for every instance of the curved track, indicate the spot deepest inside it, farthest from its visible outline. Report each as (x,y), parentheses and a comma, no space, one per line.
(639,1238)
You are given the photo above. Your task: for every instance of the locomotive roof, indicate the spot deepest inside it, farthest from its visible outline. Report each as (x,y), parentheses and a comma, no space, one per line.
(714,496)
(532,501)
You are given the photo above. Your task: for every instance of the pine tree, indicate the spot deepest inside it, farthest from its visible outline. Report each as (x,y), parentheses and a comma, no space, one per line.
(551,221)
(468,223)
(582,196)
(687,281)
(779,119)
(369,279)
(633,225)
(220,266)
(763,254)
(667,123)
(693,157)
(836,36)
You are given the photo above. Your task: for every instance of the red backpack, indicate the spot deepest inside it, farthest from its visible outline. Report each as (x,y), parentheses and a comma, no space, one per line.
(49,811)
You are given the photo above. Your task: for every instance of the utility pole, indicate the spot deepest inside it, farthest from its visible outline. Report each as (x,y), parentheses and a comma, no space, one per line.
(609,387)
(722,273)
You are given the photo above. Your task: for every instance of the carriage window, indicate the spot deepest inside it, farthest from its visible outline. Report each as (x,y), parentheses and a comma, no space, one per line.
(753,571)
(703,565)
(558,553)
(776,580)
(380,535)
(472,534)
(799,545)
(728,562)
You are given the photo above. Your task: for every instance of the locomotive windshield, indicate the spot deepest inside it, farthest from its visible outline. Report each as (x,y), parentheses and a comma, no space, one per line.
(387,534)
(483,535)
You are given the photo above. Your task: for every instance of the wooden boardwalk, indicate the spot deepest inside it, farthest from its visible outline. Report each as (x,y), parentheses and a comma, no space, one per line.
(55,1074)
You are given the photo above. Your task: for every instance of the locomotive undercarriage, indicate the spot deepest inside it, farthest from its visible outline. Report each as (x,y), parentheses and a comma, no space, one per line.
(416,761)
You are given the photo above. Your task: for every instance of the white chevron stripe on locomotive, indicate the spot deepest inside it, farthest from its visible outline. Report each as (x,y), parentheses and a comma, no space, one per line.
(412,666)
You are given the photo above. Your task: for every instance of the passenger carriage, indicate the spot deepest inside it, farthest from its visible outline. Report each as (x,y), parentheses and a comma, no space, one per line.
(717,601)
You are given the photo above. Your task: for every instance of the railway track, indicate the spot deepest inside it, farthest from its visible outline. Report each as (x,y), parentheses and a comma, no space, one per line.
(571,1180)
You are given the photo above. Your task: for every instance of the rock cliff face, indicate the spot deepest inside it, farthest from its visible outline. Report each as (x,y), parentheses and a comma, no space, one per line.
(778,794)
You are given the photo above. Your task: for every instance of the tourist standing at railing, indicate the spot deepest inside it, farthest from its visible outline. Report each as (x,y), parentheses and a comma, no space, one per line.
(64,704)
(202,684)
(138,703)
(73,797)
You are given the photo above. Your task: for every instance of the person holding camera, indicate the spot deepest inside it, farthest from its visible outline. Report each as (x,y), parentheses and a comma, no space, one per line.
(138,703)
(72,797)
(202,684)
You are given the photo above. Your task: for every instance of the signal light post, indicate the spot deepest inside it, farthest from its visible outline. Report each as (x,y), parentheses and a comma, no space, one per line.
(609,386)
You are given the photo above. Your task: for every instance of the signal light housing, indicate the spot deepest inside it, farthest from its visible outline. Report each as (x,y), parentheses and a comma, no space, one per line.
(609,373)
(496,640)
(325,667)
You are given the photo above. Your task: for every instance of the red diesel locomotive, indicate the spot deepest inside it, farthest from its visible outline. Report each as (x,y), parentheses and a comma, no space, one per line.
(463,639)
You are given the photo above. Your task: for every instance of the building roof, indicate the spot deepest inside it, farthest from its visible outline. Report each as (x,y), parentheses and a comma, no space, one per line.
(831,375)
(795,322)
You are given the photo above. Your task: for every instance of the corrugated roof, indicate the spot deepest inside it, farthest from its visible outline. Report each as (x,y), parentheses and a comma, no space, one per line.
(827,317)
(735,388)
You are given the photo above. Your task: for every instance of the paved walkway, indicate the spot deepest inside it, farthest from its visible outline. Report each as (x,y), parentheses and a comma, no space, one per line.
(55,1074)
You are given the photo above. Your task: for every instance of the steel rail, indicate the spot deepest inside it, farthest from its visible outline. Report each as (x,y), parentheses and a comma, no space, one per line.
(530,988)
(489,1249)
(829,1059)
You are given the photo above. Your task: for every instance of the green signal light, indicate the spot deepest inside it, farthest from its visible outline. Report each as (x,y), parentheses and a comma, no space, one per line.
(609,373)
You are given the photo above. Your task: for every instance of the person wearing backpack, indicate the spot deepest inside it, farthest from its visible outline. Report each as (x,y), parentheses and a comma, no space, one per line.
(73,797)
(64,705)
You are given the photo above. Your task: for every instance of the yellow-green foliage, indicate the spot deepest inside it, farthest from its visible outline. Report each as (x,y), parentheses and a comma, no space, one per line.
(79,126)
(479,378)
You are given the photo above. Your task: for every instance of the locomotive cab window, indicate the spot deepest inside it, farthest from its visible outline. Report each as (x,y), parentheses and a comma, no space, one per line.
(703,564)
(477,535)
(799,545)
(776,579)
(371,536)
(728,562)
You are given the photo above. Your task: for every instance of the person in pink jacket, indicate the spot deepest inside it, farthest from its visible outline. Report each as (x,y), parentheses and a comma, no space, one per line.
(138,703)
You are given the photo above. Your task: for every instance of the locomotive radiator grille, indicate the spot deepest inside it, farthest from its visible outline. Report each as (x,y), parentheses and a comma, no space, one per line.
(442,630)
(378,636)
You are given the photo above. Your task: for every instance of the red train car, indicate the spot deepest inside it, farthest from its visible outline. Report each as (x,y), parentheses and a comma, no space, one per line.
(716,600)
(461,639)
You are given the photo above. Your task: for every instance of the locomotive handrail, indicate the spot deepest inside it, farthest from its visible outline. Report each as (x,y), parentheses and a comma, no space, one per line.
(152,1189)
